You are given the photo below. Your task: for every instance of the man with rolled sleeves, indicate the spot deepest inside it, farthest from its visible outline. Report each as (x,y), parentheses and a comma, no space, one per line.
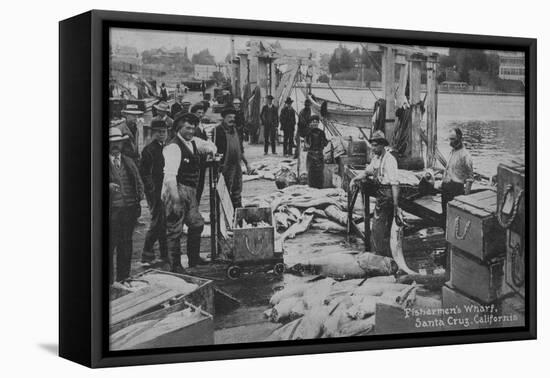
(125,192)
(182,158)
(152,174)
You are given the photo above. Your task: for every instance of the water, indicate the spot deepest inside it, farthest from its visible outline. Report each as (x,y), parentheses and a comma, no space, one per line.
(493,126)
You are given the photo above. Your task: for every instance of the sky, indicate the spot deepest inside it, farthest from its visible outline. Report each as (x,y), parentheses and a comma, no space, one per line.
(217,44)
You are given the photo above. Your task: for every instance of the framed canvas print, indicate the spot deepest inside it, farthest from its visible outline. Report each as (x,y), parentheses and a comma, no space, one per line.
(234,188)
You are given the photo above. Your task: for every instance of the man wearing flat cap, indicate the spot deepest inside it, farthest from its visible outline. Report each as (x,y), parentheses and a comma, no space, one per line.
(163,109)
(382,181)
(269,116)
(230,144)
(125,193)
(182,158)
(152,174)
(288,124)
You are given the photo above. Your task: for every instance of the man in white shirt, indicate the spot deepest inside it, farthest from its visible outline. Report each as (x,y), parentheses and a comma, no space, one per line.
(383,182)
(182,158)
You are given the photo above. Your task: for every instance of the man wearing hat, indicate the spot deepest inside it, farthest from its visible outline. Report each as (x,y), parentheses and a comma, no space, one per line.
(131,113)
(315,141)
(288,123)
(382,182)
(125,192)
(230,144)
(177,106)
(152,174)
(162,110)
(163,92)
(303,124)
(182,158)
(269,116)
(240,123)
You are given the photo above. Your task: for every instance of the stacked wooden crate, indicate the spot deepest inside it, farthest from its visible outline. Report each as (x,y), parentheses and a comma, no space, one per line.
(477,265)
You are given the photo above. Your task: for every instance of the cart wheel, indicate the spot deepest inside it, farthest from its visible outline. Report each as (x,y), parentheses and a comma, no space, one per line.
(233,272)
(279,268)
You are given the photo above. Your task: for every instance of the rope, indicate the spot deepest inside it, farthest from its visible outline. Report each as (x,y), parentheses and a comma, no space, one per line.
(457,229)
(506,223)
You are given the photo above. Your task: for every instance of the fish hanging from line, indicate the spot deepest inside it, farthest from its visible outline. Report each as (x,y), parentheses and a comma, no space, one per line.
(396,244)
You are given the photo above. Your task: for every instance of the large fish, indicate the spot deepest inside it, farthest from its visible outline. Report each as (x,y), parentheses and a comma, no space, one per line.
(396,246)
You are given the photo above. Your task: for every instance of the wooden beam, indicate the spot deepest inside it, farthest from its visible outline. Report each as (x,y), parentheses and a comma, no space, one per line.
(415,99)
(431,111)
(388,85)
(403,77)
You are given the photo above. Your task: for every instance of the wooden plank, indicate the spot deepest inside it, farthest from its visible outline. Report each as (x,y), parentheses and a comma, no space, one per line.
(388,85)
(136,297)
(226,205)
(143,306)
(415,99)
(431,110)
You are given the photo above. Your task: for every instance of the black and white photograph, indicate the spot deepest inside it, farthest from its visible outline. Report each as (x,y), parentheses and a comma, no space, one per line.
(265,189)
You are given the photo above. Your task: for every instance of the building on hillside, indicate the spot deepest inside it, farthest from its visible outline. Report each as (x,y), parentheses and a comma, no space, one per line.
(511,65)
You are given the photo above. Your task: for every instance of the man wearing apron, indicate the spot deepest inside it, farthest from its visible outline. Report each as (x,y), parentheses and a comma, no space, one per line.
(382,182)
(229,142)
(182,158)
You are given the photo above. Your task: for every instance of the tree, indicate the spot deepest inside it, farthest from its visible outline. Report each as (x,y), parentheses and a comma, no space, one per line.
(334,64)
(346,59)
(203,57)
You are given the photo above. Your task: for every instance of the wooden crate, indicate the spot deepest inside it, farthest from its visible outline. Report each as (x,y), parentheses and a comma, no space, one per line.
(510,187)
(200,332)
(482,280)
(358,148)
(257,243)
(515,262)
(472,225)
(125,309)
(506,312)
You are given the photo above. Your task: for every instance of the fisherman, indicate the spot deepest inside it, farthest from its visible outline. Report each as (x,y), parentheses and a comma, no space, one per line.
(181,174)
(178,91)
(132,115)
(163,109)
(177,106)
(269,117)
(303,122)
(315,141)
(458,176)
(228,142)
(152,174)
(200,132)
(288,124)
(382,181)
(125,192)
(239,119)
(163,92)
(203,88)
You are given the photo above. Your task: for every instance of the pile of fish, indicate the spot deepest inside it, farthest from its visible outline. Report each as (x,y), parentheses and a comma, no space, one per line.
(159,279)
(245,224)
(139,333)
(329,308)
(270,168)
(298,208)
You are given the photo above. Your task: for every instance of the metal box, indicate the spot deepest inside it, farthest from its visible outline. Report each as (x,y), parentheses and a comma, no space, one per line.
(252,244)
(515,262)
(472,225)
(482,280)
(511,197)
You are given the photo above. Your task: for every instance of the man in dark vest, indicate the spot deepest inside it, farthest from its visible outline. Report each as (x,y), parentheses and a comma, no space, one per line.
(163,92)
(303,125)
(125,193)
(152,174)
(288,124)
(230,144)
(177,106)
(182,158)
(269,116)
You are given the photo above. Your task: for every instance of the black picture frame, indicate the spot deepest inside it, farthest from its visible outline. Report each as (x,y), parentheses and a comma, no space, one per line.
(83,291)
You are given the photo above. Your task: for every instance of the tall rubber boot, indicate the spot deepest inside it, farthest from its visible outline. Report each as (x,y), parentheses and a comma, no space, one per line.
(194,246)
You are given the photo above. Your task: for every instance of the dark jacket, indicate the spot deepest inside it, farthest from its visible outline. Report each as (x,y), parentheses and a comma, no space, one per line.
(163,94)
(134,175)
(316,140)
(175,109)
(270,116)
(303,121)
(288,119)
(220,140)
(152,167)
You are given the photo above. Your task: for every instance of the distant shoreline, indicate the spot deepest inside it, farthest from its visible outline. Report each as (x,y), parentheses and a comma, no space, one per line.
(481,93)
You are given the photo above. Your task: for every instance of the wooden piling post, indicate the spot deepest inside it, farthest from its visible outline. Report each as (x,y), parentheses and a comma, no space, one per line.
(431,110)
(388,84)
(415,65)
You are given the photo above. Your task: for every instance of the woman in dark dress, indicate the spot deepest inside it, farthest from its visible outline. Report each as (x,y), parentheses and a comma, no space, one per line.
(316,141)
